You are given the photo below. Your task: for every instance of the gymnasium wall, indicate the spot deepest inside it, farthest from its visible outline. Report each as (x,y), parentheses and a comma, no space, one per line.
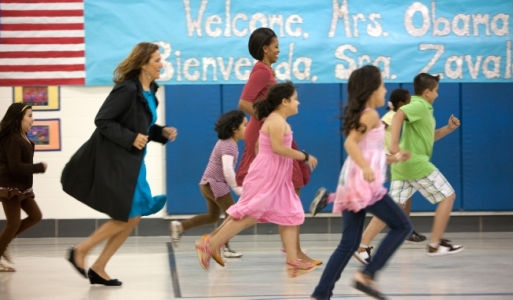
(477,158)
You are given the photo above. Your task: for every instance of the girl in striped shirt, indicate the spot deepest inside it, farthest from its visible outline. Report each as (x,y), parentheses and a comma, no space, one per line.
(219,176)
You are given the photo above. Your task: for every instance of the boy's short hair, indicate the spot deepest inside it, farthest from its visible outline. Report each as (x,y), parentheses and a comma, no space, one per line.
(424,81)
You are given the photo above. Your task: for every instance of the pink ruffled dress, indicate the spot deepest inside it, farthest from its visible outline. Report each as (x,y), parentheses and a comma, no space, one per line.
(353,191)
(268,194)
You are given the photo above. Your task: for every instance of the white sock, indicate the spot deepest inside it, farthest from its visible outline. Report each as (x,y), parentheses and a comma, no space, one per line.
(364,246)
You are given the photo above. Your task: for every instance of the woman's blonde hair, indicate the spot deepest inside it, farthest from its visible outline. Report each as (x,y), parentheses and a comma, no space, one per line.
(131,65)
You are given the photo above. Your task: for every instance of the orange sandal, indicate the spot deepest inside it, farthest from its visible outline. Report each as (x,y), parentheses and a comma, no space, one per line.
(216,255)
(315,262)
(205,253)
(296,268)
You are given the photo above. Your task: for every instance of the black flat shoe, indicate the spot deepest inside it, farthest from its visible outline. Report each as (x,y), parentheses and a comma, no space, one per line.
(71,259)
(369,290)
(94,278)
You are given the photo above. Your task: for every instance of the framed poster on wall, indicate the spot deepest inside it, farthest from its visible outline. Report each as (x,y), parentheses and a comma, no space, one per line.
(39,97)
(46,134)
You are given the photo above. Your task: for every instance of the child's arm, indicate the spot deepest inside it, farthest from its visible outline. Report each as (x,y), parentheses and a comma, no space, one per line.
(452,124)
(395,130)
(369,119)
(277,130)
(229,173)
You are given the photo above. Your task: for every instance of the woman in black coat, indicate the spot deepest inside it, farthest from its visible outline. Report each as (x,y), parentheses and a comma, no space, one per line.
(108,172)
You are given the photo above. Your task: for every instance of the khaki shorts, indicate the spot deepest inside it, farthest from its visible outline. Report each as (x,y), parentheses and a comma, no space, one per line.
(433,187)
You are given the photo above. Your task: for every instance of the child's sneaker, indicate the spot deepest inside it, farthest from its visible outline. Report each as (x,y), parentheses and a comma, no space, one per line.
(363,255)
(175,228)
(416,237)
(230,253)
(319,201)
(444,248)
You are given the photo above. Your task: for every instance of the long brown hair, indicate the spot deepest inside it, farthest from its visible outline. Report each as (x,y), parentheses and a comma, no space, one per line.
(362,83)
(131,65)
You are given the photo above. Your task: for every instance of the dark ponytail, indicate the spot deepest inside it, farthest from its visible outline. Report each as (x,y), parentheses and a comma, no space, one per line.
(276,94)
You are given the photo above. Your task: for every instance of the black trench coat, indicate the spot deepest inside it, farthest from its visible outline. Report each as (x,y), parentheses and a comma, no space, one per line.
(103,172)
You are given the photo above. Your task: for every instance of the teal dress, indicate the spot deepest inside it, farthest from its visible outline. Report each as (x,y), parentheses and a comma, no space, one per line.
(143,203)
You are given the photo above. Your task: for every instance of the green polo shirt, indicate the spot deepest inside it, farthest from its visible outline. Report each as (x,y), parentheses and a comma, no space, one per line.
(418,137)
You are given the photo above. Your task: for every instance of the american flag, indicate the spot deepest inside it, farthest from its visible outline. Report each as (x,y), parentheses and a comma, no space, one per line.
(42,42)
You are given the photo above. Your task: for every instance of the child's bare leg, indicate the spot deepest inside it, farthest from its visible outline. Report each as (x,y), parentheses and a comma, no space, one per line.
(289,236)
(374,227)
(229,229)
(407,207)
(442,215)
(220,226)
(299,251)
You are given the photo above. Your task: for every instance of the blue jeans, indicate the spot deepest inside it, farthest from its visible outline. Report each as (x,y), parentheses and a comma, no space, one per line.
(400,227)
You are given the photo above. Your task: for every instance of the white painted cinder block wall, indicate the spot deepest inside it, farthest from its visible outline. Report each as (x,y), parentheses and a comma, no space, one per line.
(78,107)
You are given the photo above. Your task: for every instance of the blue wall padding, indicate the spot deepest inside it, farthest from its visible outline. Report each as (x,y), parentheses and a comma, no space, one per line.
(316,130)
(476,159)
(193,110)
(231,95)
(487,146)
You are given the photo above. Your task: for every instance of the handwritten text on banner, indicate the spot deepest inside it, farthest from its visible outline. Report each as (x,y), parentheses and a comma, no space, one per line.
(205,41)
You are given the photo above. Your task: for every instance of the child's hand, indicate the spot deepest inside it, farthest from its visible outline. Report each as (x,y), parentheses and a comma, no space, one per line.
(402,156)
(312,162)
(394,149)
(237,190)
(368,174)
(453,122)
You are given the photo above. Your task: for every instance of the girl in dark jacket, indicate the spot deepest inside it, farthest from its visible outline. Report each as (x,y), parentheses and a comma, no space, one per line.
(108,172)
(16,170)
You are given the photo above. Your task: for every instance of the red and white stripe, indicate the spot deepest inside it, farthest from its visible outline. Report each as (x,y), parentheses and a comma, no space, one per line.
(42,42)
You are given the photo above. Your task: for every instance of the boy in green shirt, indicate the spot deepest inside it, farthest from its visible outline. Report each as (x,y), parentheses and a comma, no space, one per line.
(418,173)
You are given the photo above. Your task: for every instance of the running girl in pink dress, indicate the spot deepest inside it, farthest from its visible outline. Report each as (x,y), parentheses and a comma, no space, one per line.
(263,45)
(268,194)
(360,187)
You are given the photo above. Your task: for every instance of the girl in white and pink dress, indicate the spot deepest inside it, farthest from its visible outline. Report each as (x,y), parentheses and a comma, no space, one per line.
(360,188)
(268,194)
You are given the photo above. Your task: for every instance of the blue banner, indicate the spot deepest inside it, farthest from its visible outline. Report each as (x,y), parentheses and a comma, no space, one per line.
(205,42)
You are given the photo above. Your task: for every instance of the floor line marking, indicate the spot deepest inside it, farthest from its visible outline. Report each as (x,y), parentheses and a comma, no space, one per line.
(174,273)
